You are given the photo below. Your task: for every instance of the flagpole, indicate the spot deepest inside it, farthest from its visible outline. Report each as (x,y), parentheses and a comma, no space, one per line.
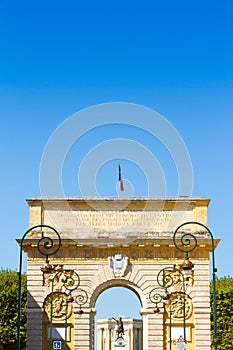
(120,178)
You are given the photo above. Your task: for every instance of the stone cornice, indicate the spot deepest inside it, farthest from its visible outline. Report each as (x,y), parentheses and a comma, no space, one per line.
(113,201)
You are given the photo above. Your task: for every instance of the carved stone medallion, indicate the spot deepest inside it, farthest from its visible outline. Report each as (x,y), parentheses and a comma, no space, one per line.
(57,304)
(179,304)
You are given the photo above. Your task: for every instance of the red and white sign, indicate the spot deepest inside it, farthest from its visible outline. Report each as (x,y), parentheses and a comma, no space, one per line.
(180,344)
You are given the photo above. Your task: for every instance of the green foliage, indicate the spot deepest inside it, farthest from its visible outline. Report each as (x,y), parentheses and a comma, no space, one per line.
(9,309)
(224,301)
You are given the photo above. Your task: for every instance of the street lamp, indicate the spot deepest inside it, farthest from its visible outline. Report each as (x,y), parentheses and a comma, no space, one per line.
(170,276)
(185,238)
(47,246)
(69,281)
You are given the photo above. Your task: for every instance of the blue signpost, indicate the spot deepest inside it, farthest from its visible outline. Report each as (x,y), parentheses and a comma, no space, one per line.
(57,344)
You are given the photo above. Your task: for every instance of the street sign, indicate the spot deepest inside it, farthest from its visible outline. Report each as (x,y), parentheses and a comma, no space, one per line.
(57,344)
(180,344)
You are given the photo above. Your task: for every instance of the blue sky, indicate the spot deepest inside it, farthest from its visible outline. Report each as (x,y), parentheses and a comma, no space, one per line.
(58,58)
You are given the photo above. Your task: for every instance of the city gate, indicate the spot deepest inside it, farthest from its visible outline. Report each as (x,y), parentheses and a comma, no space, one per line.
(108,242)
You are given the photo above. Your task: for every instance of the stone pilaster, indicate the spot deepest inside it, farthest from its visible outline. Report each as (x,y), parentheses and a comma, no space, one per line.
(83,329)
(34,328)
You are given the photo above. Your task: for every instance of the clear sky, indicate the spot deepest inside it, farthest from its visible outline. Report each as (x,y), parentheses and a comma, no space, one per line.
(57,58)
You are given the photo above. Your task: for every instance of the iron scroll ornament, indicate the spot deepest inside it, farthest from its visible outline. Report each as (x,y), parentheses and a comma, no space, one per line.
(157,298)
(69,279)
(81,298)
(167,280)
(186,247)
(187,238)
(47,243)
(46,247)
(65,282)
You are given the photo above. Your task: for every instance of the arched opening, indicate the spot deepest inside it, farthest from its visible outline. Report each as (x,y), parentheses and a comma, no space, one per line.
(111,304)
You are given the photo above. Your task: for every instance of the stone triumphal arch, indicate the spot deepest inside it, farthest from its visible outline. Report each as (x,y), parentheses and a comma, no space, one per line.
(108,242)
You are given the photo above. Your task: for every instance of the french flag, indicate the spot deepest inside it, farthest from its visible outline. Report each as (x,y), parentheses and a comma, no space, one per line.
(120,178)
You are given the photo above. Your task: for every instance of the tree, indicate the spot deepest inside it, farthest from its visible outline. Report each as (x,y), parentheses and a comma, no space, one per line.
(224,301)
(9,309)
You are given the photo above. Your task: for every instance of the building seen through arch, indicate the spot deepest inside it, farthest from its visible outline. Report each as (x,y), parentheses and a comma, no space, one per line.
(107,338)
(112,304)
(114,242)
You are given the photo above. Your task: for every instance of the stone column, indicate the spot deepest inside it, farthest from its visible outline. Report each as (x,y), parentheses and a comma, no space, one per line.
(130,337)
(140,340)
(100,339)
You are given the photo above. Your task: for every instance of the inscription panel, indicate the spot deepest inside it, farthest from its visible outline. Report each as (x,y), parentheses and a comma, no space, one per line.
(71,220)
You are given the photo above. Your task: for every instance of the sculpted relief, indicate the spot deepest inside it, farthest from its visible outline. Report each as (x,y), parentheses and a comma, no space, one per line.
(179,305)
(118,263)
(177,279)
(56,304)
(60,279)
